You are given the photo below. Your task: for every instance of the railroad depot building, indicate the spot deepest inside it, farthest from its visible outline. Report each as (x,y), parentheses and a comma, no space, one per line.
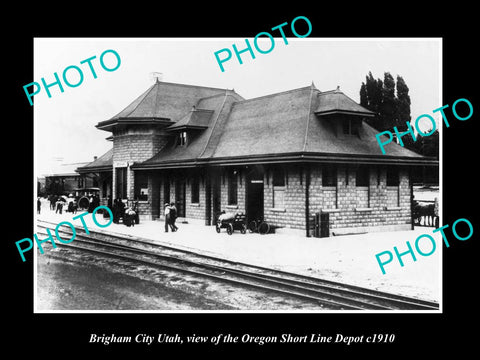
(281,157)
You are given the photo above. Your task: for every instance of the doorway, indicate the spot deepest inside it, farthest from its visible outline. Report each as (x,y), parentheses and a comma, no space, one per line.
(216,198)
(180,189)
(254,193)
(166,195)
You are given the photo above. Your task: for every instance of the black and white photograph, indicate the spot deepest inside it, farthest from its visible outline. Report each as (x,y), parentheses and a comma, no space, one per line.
(220,179)
(263,187)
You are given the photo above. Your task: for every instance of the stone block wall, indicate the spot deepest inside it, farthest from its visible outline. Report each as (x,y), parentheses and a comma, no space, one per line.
(292,213)
(239,207)
(195,210)
(135,144)
(351,208)
(362,207)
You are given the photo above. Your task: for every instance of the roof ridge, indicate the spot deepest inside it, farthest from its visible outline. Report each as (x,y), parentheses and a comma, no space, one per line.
(330,92)
(274,94)
(197,109)
(211,96)
(145,94)
(189,85)
(312,88)
(214,126)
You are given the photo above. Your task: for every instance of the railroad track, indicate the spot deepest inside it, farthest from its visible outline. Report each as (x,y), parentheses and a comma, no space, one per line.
(329,294)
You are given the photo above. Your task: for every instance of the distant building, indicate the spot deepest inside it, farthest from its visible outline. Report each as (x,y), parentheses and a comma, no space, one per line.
(41,191)
(64,180)
(281,157)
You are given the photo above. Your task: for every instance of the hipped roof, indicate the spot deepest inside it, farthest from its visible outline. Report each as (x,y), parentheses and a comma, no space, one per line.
(290,126)
(294,125)
(163,103)
(102,163)
(201,144)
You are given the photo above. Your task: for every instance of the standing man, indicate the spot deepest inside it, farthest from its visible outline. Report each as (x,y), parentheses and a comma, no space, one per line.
(167,216)
(135,208)
(53,201)
(39,205)
(59,206)
(173,216)
(115,211)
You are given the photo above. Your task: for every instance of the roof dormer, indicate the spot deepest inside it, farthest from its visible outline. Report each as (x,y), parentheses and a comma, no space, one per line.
(343,114)
(188,126)
(336,102)
(196,119)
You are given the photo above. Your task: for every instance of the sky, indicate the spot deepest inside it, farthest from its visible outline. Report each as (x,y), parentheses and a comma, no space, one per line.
(64,124)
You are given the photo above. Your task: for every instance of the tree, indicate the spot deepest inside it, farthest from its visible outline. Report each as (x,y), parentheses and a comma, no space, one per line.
(403,101)
(363,95)
(388,107)
(403,113)
(390,101)
(372,99)
(428,145)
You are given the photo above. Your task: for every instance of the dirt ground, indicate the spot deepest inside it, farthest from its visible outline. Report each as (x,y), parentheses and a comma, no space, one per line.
(80,282)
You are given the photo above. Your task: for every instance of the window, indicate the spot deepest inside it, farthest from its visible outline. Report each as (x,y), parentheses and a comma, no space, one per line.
(392,176)
(182,138)
(278,178)
(195,189)
(329,175)
(350,127)
(393,190)
(278,182)
(232,187)
(121,183)
(141,187)
(362,178)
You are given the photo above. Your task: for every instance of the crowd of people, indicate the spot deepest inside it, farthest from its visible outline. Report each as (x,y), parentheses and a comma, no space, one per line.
(70,203)
(127,213)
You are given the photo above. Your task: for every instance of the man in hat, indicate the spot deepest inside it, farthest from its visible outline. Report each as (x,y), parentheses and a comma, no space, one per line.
(167,216)
(173,216)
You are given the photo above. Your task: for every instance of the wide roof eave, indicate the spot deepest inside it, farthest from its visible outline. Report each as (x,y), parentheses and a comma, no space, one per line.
(289,158)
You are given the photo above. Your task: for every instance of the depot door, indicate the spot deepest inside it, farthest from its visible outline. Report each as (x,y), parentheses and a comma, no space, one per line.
(180,189)
(254,193)
(216,197)
(212,198)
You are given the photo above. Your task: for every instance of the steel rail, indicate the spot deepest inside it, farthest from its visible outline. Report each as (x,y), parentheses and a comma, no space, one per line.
(336,294)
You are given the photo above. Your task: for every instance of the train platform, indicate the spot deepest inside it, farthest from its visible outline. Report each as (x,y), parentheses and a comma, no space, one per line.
(349,258)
